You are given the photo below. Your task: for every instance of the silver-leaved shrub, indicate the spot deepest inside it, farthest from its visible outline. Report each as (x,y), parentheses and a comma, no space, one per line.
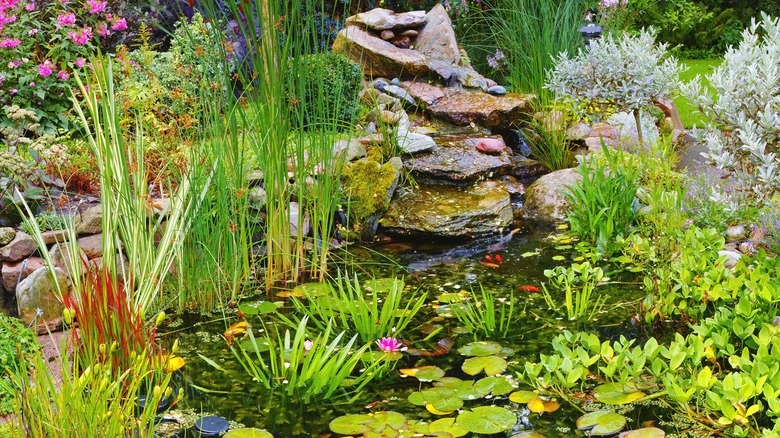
(743,135)
(626,72)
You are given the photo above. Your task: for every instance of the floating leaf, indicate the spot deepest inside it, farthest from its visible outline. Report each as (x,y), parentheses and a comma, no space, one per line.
(314,289)
(248,432)
(432,409)
(450,297)
(563,247)
(441,399)
(617,393)
(289,293)
(447,425)
(529,254)
(522,396)
(382,284)
(558,258)
(562,227)
(645,432)
(480,349)
(527,434)
(424,374)
(258,307)
(490,364)
(382,423)
(487,419)
(493,385)
(601,423)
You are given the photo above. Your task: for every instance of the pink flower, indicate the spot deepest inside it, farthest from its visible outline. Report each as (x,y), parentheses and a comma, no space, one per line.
(307,344)
(119,24)
(29,7)
(63,75)
(67,19)
(388,345)
(80,62)
(103,30)
(96,6)
(32,84)
(9,43)
(45,69)
(82,36)
(32,32)
(13,91)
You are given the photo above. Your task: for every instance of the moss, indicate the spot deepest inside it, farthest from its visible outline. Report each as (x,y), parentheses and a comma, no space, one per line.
(367,183)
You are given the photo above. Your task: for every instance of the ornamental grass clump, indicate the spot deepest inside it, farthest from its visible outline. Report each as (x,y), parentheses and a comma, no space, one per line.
(743,136)
(628,72)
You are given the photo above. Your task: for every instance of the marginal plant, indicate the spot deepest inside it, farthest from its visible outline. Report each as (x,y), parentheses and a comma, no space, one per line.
(488,316)
(577,282)
(744,114)
(17,346)
(627,72)
(386,312)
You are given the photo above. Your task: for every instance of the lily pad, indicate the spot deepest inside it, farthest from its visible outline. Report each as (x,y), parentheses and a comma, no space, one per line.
(447,425)
(601,423)
(645,432)
(314,289)
(487,419)
(382,284)
(540,405)
(480,349)
(248,432)
(617,393)
(493,385)
(450,297)
(522,396)
(257,308)
(424,374)
(440,398)
(527,434)
(490,364)
(383,423)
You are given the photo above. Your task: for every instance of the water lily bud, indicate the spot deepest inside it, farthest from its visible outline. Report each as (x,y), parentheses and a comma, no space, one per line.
(160,319)
(175,347)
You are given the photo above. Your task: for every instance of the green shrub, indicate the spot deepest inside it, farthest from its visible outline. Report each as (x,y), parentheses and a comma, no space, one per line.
(323,88)
(15,340)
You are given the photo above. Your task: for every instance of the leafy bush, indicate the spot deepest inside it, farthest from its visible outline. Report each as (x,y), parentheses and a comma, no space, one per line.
(743,137)
(629,73)
(17,342)
(324,88)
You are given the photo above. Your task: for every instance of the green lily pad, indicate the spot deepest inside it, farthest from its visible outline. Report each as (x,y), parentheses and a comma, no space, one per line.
(353,424)
(441,398)
(617,393)
(645,432)
(382,284)
(487,419)
(314,289)
(490,364)
(601,423)
(257,307)
(480,349)
(522,396)
(529,254)
(248,432)
(527,434)
(450,297)
(427,373)
(493,385)
(447,310)
(447,425)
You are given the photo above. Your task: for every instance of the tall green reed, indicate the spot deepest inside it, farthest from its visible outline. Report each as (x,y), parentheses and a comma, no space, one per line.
(485,317)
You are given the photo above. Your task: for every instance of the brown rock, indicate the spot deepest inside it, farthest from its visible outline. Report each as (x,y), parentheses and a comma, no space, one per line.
(389,117)
(603,130)
(387,35)
(437,39)
(380,19)
(378,57)
(54,236)
(92,245)
(456,159)
(20,248)
(463,108)
(13,273)
(60,255)
(670,110)
(411,33)
(403,42)
(423,92)
(492,146)
(37,299)
(90,221)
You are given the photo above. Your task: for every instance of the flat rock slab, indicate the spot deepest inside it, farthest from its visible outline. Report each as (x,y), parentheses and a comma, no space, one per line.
(463,108)
(384,19)
(448,211)
(523,168)
(456,159)
(378,57)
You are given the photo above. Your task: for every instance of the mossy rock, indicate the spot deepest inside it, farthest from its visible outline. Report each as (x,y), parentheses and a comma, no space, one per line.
(369,186)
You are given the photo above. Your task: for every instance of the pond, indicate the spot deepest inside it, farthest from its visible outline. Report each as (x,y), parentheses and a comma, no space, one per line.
(508,267)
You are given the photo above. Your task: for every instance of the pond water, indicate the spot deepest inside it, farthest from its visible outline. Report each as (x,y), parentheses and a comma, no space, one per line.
(434,268)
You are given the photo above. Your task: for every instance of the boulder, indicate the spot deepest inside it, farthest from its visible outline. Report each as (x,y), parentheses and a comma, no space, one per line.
(524,168)
(425,94)
(412,142)
(379,19)
(13,273)
(297,221)
(54,236)
(449,211)
(92,245)
(457,160)
(437,38)
(350,149)
(7,234)
(578,132)
(400,93)
(731,257)
(545,199)
(90,221)
(736,233)
(21,247)
(37,299)
(60,255)
(378,57)
(464,107)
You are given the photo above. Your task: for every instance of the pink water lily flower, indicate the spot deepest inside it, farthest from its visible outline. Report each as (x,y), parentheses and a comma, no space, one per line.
(389,344)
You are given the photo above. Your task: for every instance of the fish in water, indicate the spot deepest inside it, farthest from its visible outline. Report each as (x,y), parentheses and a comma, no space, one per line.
(529,288)
(454,255)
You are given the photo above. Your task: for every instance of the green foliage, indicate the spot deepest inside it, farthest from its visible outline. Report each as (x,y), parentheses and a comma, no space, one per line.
(47,221)
(549,143)
(602,203)
(577,283)
(17,345)
(689,114)
(485,317)
(324,89)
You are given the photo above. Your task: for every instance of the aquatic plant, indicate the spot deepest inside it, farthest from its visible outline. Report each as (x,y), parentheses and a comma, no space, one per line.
(389,345)
(488,316)
(577,282)
(17,344)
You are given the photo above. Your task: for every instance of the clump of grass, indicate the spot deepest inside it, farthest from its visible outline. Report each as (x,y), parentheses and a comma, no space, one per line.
(487,315)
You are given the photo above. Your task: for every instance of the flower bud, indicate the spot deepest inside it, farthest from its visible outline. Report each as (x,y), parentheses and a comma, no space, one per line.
(160,319)
(175,347)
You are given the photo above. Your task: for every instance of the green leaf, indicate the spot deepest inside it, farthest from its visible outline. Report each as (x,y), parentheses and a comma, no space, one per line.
(527,434)
(617,393)
(490,364)
(601,423)
(493,385)
(480,349)
(487,419)
(522,396)
(441,398)
(376,423)
(427,373)
(248,432)
(315,289)
(529,254)
(447,425)
(257,307)
(645,432)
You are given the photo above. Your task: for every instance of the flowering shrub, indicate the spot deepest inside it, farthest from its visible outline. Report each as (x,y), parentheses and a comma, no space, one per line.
(41,44)
(743,137)
(610,14)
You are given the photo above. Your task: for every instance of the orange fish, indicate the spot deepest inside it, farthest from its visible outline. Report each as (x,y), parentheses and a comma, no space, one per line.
(529,288)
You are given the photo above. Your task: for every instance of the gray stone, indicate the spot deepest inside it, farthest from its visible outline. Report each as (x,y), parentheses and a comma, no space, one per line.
(54,236)
(60,256)
(296,220)
(411,142)
(256,197)
(380,84)
(578,132)
(545,199)
(37,299)
(735,233)
(381,19)
(395,81)
(350,148)
(92,245)
(449,211)
(513,186)
(90,221)
(496,90)
(378,57)
(6,235)
(13,273)
(21,247)
(398,92)
(457,161)
(470,78)
(255,177)
(445,72)
(437,38)
(731,258)
(525,168)
(424,93)
(463,108)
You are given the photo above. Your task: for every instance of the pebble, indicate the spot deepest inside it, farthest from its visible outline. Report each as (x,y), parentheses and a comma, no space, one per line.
(396,82)
(497,90)
(381,85)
